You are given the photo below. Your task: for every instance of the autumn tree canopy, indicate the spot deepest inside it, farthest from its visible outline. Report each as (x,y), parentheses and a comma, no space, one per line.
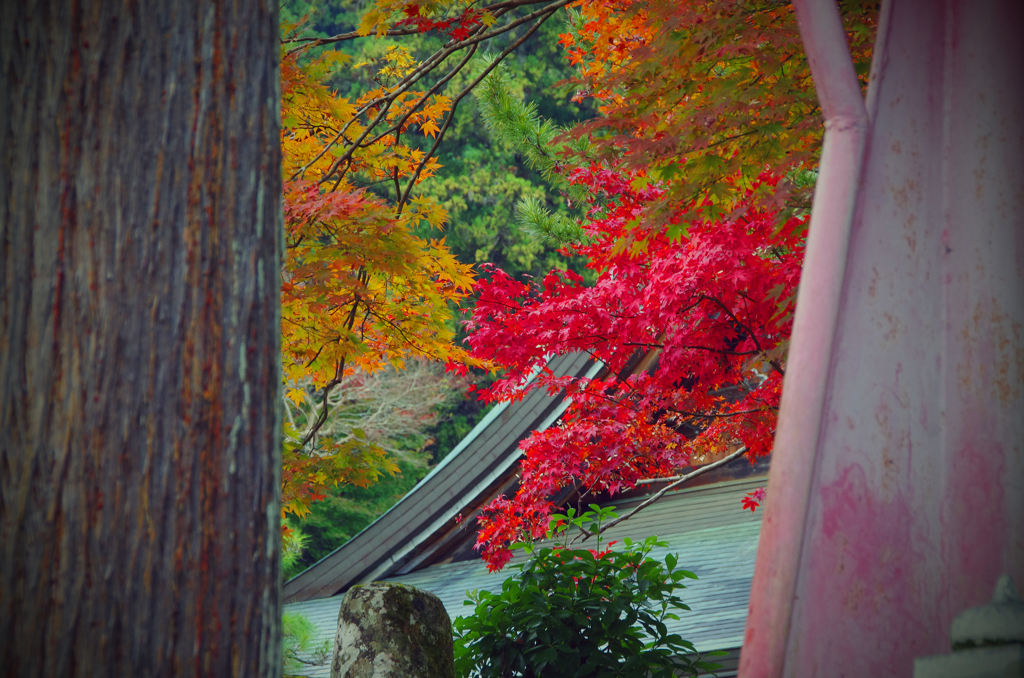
(363,289)
(361,292)
(690,191)
(694,177)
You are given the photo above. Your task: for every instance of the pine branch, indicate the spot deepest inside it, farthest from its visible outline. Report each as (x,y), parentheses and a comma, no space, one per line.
(518,126)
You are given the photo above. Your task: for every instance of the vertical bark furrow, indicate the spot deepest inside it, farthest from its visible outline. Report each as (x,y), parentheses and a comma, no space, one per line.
(139,372)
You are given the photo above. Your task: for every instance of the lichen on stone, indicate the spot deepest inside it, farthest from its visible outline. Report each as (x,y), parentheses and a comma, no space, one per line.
(388,630)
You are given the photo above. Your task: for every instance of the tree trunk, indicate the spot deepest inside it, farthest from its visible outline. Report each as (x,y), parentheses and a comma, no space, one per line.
(139,338)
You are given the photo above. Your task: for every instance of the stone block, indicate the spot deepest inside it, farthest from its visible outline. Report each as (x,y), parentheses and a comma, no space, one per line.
(388,630)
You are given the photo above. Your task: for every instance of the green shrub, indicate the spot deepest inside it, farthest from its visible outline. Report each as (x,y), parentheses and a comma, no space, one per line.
(580,613)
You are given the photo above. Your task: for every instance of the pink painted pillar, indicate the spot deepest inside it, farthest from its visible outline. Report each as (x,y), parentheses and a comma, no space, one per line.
(897,484)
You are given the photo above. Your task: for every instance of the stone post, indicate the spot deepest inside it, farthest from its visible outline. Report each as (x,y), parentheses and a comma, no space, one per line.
(388,630)
(988,641)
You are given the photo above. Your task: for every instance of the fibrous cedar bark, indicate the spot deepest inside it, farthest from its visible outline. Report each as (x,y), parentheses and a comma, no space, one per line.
(139,341)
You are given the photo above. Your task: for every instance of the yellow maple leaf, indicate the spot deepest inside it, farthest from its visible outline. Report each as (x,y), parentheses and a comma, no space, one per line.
(430,128)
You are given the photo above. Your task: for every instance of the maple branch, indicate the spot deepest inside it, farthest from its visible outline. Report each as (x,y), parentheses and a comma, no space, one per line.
(455,102)
(720,142)
(433,90)
(698,415)
(728,312)
(309,43)
(711,349)
(399,89)
(642,343)
(339,371)
(480,35)
(313,359)
(679,480)
(626,405)
(398,185)
(302,170)
(311,662)
(322,417)
(401,331)
(603,338)
(774,363)
(703,469)
(352,149)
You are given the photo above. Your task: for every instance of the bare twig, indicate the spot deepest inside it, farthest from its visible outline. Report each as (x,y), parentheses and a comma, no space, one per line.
(694,474)
(679,480)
